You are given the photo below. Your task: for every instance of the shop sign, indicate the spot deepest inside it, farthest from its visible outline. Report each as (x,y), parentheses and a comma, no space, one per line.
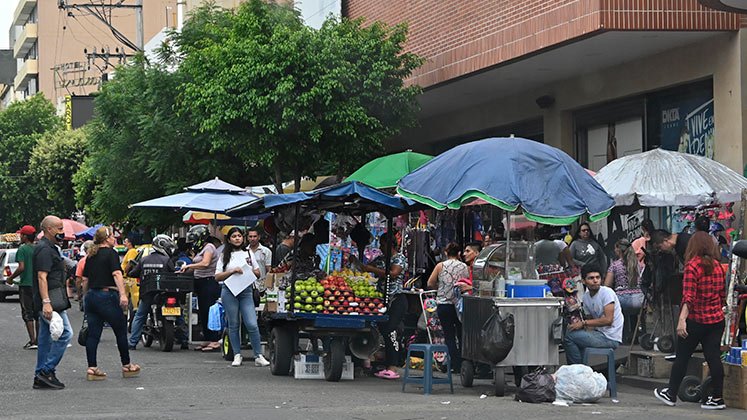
(688,127)
(73,74)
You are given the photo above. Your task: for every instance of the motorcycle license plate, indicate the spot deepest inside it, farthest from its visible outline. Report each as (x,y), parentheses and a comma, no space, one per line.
(167,311)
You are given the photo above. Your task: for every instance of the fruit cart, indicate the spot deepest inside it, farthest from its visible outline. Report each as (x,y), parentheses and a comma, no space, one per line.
(331,308)
(537,319)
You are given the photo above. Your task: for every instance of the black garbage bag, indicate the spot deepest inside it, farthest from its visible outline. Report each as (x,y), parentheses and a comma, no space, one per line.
(536,387)
(497,337)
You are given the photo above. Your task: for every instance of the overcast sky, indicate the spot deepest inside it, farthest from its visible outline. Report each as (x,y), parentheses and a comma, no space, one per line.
(6,15)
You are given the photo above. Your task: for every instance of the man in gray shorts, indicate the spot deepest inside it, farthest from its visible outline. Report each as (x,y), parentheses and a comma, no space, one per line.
(25,270)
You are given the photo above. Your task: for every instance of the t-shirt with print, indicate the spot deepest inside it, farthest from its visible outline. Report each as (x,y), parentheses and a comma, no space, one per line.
(208,271)
(451,272)
(396,283)
(238,259)
(25,254)
(621,280)
(594,308)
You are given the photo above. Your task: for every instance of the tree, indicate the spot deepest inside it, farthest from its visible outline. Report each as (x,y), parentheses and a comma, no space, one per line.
(139,148)
(280,94)
(54,161)
(21,126)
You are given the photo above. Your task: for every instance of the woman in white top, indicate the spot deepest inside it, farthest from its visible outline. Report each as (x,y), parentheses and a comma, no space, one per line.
(239,297)
(444,277)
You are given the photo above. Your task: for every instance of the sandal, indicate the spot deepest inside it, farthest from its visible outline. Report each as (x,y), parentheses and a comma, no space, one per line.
(130,371)
(95,374)
(387,374)
(210,347)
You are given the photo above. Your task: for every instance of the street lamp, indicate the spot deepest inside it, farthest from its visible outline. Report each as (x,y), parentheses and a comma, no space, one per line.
(734,6)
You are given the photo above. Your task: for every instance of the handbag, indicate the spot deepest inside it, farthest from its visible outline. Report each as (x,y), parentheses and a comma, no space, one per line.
(83,333)
(256,295)
(58,299)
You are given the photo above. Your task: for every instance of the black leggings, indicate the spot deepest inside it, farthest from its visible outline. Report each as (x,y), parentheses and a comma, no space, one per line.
(208,291)
(447,315)
(390,330)
(103,306)
(709,336)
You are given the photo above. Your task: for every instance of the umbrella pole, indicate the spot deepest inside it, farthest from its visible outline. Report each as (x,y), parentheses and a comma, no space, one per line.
(388,256)
(296,258)
(502,287)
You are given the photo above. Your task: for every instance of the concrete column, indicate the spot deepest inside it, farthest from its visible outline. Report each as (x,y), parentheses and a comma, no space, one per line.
(729,100)
(558,127)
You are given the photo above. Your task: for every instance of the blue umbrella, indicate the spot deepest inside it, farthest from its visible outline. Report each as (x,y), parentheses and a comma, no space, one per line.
(215,196)
(88,233)
(353,197)
(548,185)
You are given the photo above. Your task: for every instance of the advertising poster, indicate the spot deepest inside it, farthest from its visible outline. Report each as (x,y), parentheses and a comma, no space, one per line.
(688,126)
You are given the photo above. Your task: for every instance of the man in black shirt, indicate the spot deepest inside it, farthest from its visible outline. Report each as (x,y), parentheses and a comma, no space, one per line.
(49,276)
(158,261)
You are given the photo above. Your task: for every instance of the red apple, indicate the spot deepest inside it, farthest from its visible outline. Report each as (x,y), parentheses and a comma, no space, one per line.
(381,305)
(371,305)
(326,303)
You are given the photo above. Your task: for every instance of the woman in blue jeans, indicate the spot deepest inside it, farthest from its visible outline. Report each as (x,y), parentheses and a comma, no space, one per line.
(105,301)
(232,262)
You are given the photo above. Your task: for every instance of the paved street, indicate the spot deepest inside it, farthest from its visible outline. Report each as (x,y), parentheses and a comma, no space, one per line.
(190,385)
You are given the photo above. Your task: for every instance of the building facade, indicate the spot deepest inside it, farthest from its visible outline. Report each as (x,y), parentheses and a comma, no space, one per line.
(596,78)
(51,45)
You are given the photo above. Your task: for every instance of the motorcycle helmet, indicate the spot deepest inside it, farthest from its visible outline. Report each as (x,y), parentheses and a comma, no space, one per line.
(164,244)
(197,235)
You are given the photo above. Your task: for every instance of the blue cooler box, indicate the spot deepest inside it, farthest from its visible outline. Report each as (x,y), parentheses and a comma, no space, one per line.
(526,291)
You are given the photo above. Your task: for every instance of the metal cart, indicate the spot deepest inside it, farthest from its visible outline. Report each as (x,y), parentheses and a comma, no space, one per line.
(538,321)
(341,330)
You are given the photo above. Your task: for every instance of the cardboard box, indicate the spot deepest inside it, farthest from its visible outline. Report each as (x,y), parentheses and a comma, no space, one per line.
(270,280)
(650,364)
(735,386)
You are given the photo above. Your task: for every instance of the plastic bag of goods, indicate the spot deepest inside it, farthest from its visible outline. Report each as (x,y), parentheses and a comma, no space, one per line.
(579,384)
(497,337)
(56,326)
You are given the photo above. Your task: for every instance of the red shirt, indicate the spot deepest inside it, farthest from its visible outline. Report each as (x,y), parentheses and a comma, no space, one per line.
(704,294)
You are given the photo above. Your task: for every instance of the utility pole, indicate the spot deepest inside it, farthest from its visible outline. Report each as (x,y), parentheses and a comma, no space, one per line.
(139,35)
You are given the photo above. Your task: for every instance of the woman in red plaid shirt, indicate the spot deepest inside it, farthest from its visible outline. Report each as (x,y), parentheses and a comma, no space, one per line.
(701,319)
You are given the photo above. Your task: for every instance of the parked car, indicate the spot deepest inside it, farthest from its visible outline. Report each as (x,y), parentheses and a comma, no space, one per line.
(8,265)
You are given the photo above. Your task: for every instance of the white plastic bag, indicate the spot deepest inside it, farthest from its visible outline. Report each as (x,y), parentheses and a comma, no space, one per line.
(56,326)
(579,384)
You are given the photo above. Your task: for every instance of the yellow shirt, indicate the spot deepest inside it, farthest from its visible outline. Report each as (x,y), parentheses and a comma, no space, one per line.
(129,256)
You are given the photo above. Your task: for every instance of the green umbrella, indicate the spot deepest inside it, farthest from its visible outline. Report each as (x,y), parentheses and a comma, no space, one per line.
(384,172)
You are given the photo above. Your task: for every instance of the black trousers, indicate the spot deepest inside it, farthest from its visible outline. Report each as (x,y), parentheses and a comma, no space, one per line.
(452,331)
(208,291)
(390,330)
(709,336)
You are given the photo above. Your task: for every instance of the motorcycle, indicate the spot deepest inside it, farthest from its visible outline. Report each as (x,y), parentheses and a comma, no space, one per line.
(169,293)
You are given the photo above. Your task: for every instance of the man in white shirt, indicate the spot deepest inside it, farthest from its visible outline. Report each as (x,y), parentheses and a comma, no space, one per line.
(262,254)
(603,325)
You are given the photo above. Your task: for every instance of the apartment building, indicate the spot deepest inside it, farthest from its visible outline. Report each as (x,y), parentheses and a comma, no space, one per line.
(51,44)
(581,75)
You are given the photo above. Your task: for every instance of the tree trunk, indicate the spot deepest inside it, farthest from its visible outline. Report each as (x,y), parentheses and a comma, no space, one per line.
(278,178)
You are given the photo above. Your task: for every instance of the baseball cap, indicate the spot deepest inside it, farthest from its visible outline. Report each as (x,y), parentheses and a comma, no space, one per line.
(27,230)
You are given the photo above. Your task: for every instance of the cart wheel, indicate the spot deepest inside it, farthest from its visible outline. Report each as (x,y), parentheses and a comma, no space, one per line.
(147,335)
(499,377)
(281,350)
(646,342)
(226,349)
(665,344)
(166,340)
(690,389)
(706,388)
(334,360)
(467,373)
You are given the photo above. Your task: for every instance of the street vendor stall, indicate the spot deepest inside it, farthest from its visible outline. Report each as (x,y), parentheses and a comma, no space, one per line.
(343,308)
(662,178)
(512,174)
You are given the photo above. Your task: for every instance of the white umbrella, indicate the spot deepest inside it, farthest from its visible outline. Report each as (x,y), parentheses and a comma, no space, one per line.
(662,178)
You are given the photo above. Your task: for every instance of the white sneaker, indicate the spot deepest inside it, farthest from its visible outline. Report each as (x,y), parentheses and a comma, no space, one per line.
(261,361)
(237,359)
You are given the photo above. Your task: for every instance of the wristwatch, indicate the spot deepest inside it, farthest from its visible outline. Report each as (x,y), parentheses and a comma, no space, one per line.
(46,301)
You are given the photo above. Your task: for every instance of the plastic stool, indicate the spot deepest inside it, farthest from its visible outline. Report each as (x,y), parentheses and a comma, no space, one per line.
(610,353)
(427,380)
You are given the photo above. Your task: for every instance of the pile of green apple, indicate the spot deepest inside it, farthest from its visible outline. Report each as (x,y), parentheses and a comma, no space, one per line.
(308,296)
(363,288)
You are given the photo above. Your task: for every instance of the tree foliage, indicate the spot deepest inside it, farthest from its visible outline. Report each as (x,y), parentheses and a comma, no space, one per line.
(139,148)
(22,124)
(289,97)
(54,161)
